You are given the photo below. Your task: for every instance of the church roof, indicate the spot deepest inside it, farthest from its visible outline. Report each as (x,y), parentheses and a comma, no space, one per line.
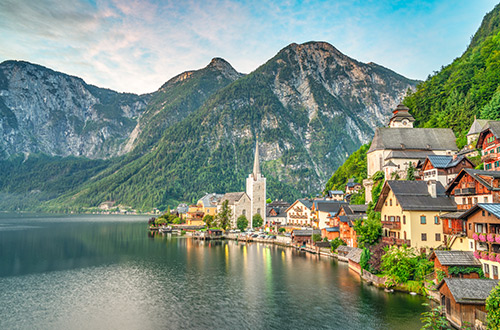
(413,139)
(477,126)
(232,197)
(401,112)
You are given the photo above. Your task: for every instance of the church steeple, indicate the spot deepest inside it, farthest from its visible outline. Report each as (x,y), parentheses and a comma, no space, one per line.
(256,164)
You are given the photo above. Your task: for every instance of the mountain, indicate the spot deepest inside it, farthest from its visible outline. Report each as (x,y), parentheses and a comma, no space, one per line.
(309,106)
(468,87)
(43,111)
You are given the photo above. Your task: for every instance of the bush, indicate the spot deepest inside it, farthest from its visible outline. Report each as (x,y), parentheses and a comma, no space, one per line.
(281,230)
(493,308)
(335,243)
(316,237)
(242,222)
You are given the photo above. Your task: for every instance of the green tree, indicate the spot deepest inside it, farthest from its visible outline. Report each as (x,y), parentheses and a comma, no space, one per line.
(365,257)
(316,237)
(368,231)
(493,308)
(269,200)
(242,222)
(223,217)
(336,242)
(281,230)
(208,220)
(434,319)
(399,263)
(410,173)
(257,221)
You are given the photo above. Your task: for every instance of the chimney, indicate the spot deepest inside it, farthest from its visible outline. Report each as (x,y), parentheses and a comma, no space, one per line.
(431,187)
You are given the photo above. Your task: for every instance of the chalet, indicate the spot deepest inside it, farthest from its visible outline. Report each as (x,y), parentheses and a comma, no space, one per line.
(335,195)
(341,224)
(444,168)
(410,213)
(489,143)
(276,213)
(352,187)
(208,203)
(464,299)
(322,210)
(474,186)
(443,260)
(239,204)
(395,148)
(299,213)
(483,232)
(304,236)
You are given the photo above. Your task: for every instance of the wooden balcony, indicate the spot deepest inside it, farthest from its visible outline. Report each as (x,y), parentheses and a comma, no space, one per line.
(400,242)
(489,157)
(396,241)
(391,224)
(465,191)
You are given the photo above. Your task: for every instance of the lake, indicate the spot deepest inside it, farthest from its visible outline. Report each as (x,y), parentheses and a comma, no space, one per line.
(108,272)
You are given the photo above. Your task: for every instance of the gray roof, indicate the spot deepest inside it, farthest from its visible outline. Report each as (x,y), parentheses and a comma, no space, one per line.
(232,197)
(352,183)
(413,138)
(457,258)
(478,175)
(307,202)
(306,232)
(355,255)
(452,215)
(414,195)
(335,192)
(344,248)
(400,113)
(358,208)
(409,154)
(477,126)
(211,199)
(469,290)
(328,206)
(494,127)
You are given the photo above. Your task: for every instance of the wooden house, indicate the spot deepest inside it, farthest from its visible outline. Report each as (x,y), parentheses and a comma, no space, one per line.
(444,168)
(489,143)
(454,231)
(483,232)
(474,186)
(304,236)
(443,260)
(299,213)
(464,298)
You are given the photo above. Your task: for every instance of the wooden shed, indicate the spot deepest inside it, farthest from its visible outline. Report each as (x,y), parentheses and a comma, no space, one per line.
(443,260)
(464,298)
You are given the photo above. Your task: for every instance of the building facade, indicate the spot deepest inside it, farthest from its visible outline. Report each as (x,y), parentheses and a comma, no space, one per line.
(256,190)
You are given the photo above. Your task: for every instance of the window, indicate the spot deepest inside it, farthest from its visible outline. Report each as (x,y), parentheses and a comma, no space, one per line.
(463,201)
(495,270)
(449,223)
(397,202)
(438,237)
(486,269)
(244,212)
(423,219)
(390,202)
(482,213)
(258,211)
(475,200)
(386,202)
(385,217)
(424,237)
(436,220)
(486,199)
(392,218)
(398,219)
(404,219)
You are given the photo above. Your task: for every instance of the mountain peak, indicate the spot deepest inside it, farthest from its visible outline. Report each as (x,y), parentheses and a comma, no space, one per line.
(224,67)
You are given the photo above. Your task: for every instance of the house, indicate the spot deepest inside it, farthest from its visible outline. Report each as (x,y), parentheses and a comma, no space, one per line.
(182,210)
(474,186)
(352,187)
(443,260)
(483,232)
(299,213)
(444,168)
(331,232)
(463,299)
(489,143)
(410,213)
(194,216)
(347,215)
(321,210)
(354,258)
(304,236)
(276,213)
(395,148)
(335,195)
(239,204)
(454,231)
(208,203)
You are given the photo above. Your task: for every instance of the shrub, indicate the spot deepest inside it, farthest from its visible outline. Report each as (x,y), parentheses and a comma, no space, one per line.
(493,308)
(335,243)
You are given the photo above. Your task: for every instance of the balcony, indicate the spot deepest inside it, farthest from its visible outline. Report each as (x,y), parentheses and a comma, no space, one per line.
(400,242)
(489,157)
(465,191)
(395,241)
(391,224)
(389,240)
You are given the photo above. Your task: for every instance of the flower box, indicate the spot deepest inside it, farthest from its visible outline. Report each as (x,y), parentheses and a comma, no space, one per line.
(497,239)
(475,236)
(498,257)
(477,255)
(491,238)
(493,256)
(482,237)
(484,255)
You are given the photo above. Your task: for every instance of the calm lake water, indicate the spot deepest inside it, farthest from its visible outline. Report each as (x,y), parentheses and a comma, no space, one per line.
(106,272)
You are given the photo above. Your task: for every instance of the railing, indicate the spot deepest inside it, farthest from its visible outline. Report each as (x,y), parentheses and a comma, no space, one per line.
(465,191)
(388,240)
(453,231)
(403,241)
(391,224)
(396,241)
(489,157)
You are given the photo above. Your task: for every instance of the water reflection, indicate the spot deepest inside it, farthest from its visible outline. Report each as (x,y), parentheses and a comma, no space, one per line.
(116,275)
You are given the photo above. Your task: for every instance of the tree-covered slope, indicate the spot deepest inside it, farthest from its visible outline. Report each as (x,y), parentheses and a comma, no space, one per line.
(468,87)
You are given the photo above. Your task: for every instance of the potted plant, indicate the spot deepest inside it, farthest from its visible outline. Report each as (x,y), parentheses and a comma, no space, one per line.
(475,236)
(482,237)
(477,255)
(491,238)
(493,256)
(484,255)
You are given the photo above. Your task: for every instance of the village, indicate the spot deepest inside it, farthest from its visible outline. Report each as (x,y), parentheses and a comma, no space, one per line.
(424,197)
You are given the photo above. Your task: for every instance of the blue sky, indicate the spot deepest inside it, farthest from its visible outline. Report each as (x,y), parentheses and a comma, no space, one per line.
(135,46)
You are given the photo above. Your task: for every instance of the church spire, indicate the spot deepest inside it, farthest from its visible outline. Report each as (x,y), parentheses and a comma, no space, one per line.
(256,164)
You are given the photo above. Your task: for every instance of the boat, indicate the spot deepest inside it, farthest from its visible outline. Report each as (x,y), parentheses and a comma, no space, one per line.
(165,229)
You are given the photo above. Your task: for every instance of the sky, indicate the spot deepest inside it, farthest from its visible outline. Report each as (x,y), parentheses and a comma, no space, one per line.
(137,45)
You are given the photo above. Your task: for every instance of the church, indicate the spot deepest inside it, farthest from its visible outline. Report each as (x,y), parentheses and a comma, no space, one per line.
(249,202)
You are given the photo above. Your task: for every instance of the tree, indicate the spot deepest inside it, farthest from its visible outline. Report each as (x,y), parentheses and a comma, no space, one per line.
(368,231)
(257,221)
(269,201)
(434,319)
(493,308)
(399,264)
(335,243)
(281,230)
(223,218)
(208,220)
(365,257)
(410,173)
(316,237)
(242,222)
